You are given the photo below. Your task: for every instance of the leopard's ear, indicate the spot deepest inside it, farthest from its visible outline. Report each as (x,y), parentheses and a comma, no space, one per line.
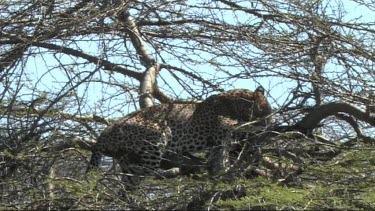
(260,89)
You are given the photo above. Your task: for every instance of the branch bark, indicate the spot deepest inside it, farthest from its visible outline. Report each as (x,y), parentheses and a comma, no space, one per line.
(147,87)
(72,142)
(100,62)
(136,39)
(12,56)
(311,120)
(148,81)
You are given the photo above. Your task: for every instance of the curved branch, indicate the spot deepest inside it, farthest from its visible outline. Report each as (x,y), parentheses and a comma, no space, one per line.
(100,62)
(161,96)
(311,120)
(351,121)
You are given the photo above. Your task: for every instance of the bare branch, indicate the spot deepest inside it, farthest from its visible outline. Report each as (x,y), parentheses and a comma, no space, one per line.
(312,119)
(100,62)
(147,87)
(136,39)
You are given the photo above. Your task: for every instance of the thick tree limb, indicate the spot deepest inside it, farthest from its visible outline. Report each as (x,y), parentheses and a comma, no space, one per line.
(73,142)
(163,98)
(147,87)
(136,39)
(148,81)
(311,120)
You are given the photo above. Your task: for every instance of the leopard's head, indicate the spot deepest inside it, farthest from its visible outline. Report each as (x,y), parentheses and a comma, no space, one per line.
(241,104)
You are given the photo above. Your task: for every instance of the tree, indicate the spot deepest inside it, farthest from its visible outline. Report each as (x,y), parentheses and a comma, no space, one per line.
(69,68)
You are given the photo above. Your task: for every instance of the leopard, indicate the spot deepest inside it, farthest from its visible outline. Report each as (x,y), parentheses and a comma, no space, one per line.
(143,139)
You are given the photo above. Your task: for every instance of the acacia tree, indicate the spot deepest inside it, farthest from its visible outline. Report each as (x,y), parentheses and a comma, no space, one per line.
(69,68)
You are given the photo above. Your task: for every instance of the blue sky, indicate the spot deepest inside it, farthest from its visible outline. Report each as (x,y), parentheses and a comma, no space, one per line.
(44,72)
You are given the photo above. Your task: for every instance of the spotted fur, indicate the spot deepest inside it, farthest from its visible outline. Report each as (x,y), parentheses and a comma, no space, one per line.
(141,140)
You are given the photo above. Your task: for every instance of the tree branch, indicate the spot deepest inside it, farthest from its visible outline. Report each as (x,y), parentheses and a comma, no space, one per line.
(193,76)
(311,120)
(147,87)
(148,81)
(10,57)
(19,111)
(100,62)
(136,39)
(72,142)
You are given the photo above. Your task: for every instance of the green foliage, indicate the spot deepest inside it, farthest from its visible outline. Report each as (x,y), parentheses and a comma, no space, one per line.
(263,193)
(345,182)
(368,197)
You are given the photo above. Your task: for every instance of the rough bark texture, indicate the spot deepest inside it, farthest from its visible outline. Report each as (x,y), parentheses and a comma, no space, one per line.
(312,119)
